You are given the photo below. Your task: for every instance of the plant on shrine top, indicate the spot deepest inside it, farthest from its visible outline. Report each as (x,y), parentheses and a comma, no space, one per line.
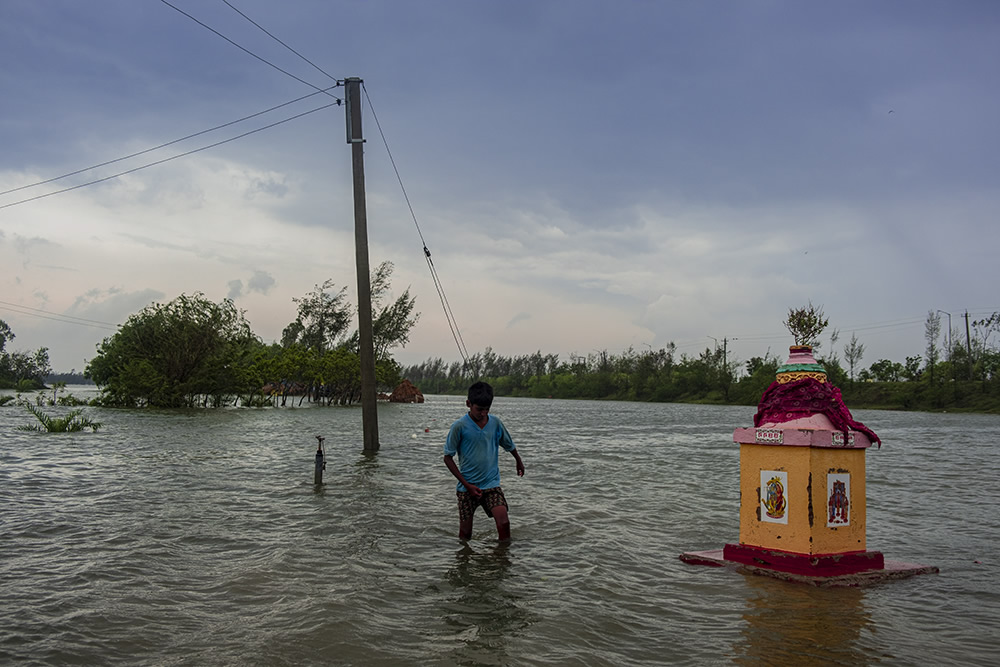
(806,324)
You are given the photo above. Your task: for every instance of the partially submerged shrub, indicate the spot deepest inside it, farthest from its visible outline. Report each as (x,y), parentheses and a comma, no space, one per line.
(73,421)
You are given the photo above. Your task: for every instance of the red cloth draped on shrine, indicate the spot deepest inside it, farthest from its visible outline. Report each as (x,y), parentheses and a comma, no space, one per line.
(804,398)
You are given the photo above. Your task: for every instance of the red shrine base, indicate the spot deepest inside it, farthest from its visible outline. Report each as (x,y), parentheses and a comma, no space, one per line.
(851,569)
(810,565)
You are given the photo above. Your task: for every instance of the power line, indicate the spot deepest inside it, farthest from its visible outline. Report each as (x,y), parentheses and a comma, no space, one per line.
(874,327)
(892,324)
(244,49)
(269,34)
(448,313)
(168,159)
(337,101)
(46,315)
(164,145)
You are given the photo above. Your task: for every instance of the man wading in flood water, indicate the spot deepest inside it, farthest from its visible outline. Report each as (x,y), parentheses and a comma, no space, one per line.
(477,438)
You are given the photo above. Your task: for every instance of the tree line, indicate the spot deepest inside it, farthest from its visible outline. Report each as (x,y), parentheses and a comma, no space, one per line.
(192,352)
(957,376)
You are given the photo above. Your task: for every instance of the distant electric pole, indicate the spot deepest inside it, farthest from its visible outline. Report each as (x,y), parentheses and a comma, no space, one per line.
(725,351)
(369,407)
(968,345)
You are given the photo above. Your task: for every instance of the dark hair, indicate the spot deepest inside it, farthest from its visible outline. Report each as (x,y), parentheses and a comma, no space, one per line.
(481,394)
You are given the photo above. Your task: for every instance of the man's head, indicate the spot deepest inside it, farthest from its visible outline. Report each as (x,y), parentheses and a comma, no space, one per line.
(481,394)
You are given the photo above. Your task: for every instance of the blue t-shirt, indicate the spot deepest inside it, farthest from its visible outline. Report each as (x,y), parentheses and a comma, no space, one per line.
(478,450)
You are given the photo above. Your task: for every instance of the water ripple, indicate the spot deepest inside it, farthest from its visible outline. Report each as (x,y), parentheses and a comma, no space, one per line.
(198,538)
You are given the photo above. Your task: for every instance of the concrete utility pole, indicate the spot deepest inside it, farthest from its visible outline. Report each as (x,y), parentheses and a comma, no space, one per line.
(369,407)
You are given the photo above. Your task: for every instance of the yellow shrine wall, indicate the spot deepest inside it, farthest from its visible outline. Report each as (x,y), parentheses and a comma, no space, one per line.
(807,469)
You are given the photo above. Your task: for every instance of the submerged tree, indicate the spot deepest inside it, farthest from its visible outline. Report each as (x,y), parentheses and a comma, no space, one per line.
(318,353)
(391,322)
(26,370)
(22,369)
(6,335)
(322,320)
(170,355)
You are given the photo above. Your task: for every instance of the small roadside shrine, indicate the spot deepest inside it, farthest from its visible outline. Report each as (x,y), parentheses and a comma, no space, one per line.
(802,487)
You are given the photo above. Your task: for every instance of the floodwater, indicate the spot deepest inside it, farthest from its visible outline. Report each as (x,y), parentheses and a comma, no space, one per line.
(199,538)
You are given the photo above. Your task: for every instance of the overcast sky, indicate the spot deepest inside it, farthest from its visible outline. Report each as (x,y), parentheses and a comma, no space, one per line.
(587,175)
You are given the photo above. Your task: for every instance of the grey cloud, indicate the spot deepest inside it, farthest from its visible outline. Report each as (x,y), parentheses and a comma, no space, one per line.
(24,244)
(268,186)
(520,317)
(154,243)
(261,281)
(112,305)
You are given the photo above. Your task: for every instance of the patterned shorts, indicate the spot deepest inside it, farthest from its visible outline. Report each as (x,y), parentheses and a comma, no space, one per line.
(490,498)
